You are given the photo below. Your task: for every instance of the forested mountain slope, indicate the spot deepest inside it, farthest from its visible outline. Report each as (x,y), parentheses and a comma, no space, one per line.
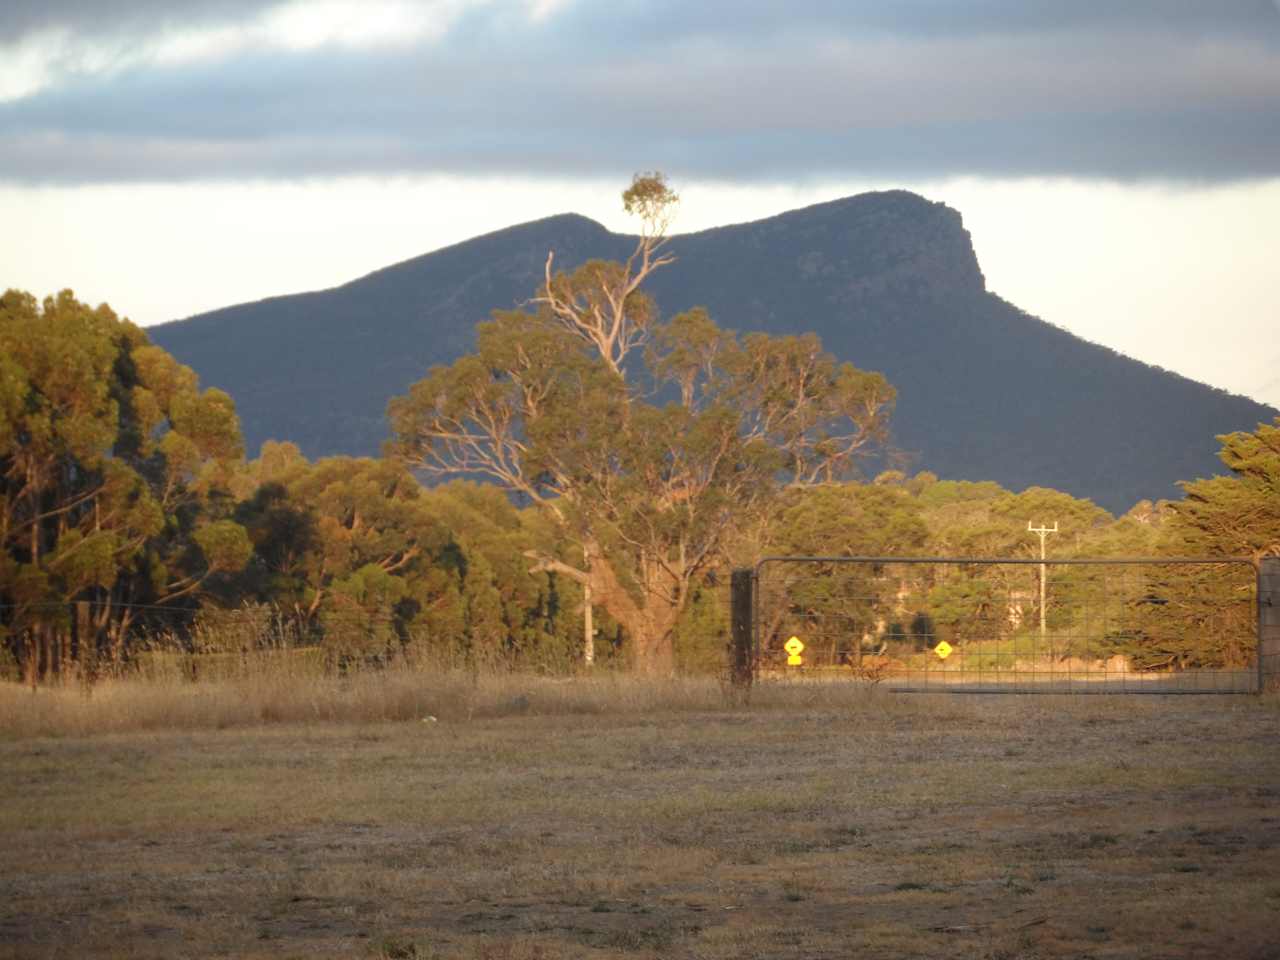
(888,280)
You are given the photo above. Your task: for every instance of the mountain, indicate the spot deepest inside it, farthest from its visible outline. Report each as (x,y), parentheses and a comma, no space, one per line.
(889,281)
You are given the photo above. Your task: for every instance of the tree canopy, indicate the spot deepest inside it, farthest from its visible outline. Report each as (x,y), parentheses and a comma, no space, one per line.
(1236,515)
(114,472)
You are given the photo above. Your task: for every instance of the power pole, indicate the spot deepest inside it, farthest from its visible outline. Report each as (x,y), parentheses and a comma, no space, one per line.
(588,628)
(1044,532)
(588,625)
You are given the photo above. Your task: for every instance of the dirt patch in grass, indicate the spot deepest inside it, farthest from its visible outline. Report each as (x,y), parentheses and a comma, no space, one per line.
(833,825)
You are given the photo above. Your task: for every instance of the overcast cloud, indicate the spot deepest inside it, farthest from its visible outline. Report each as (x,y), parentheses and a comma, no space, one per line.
(146,90)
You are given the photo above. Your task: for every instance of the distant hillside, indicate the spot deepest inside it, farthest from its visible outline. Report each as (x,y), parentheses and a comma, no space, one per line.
(888,280)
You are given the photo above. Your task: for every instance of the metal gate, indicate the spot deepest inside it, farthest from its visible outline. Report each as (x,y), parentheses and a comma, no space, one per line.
(977,625)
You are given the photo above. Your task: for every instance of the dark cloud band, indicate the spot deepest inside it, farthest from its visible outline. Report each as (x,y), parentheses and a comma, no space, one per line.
(20,18)
(722,88)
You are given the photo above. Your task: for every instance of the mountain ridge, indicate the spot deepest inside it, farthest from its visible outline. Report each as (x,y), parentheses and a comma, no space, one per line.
(889,280)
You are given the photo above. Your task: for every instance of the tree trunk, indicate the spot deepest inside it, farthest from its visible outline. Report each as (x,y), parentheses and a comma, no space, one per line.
(33,658)
(64,657)
(53,641)
(649,625)
(116,633)
(47,653)
(86,644)
(649,622)
(653,645)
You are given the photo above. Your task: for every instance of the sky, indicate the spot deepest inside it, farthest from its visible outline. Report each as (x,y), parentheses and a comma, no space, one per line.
(1117,162)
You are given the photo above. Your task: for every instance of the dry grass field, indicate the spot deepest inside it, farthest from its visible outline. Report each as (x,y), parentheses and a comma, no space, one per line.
(619,818)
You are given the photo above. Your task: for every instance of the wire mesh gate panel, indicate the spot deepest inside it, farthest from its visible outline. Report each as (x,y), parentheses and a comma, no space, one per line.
(1012,625)
(1269,624)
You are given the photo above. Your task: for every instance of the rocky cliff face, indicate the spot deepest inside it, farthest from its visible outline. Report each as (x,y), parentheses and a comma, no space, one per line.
(888,280)
(879,244)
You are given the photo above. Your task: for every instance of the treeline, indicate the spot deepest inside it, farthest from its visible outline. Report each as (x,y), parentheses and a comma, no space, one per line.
(131,519)
(130,513)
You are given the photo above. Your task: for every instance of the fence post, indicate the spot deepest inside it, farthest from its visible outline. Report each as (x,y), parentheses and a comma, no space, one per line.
(741,661)
(1269,624)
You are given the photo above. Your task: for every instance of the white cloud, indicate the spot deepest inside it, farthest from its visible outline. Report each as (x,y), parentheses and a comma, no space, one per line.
(41,60)
(540,10)
(26,66)
(310,24)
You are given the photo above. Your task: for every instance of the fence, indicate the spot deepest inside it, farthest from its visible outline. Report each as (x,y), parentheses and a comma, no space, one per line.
(1160,625)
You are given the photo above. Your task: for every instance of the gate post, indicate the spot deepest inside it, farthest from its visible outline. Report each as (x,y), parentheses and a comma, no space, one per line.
(741,660)
(1269,624)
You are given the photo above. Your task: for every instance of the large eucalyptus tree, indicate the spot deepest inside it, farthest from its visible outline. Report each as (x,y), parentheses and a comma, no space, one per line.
(648,444)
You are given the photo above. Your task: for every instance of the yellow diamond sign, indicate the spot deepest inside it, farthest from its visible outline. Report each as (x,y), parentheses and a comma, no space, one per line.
(943,650)
(794,647)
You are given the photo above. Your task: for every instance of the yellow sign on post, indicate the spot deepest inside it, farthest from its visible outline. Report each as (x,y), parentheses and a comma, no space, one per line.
(943,650)
(794,647)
